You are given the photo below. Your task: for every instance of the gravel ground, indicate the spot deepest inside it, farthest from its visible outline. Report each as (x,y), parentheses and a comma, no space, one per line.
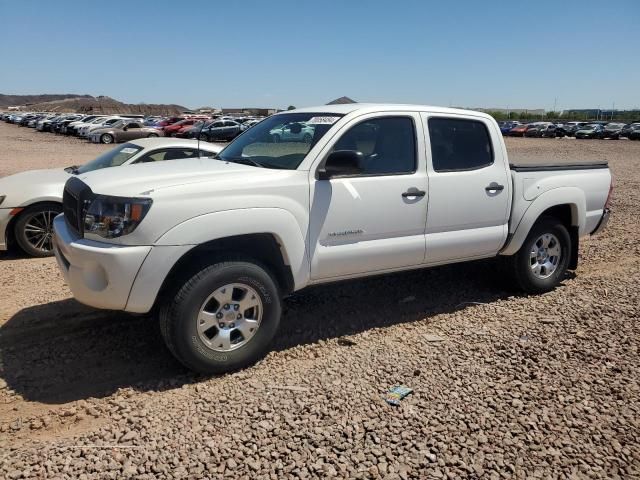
(504,386)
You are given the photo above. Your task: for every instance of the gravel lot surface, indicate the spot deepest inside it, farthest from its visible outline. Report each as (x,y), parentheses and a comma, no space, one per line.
(504,386)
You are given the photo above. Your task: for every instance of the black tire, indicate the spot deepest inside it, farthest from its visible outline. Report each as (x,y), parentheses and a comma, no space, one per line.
(106,138)
(36,216)
(521,263)
(153,135)
(179,313)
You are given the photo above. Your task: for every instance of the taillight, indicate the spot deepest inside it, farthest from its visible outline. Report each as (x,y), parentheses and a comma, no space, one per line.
(610,196)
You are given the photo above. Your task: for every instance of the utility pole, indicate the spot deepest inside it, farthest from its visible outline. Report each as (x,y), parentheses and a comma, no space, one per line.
(613,107)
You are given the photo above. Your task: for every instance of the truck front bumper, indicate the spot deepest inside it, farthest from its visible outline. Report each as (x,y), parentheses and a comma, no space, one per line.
(99,274)
(603,221)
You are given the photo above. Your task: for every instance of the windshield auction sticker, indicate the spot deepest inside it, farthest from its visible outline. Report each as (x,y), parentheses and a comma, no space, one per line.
(129,150)
(322,120)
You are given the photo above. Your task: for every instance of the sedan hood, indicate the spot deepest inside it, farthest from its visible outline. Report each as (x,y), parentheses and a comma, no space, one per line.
(33,186)
(145,178)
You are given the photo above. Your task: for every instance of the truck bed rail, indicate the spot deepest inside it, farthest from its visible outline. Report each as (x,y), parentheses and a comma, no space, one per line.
(557,166)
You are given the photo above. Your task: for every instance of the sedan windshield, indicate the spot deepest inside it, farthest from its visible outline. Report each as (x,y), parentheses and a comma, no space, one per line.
(112,158)
(281,141)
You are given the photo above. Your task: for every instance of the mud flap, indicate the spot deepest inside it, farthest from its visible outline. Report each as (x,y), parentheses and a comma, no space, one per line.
(575,244)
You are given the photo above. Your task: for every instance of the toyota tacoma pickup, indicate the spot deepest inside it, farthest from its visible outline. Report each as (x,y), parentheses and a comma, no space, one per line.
(213,245)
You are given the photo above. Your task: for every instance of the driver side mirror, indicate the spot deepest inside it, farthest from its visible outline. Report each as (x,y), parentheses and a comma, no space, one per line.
(341,163)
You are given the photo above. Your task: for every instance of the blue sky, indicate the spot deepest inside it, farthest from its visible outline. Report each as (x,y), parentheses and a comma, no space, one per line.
(276,53)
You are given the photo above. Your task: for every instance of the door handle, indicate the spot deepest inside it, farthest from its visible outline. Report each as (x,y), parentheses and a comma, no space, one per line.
(494,186)
(414,193)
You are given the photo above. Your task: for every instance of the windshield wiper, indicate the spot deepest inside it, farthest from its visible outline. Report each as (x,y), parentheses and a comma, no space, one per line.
(243,161)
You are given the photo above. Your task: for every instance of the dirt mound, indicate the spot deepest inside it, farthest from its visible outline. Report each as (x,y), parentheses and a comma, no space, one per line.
(15,100)
(107,105)
(95,105)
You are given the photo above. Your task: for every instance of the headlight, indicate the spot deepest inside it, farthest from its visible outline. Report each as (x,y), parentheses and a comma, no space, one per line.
(111,217)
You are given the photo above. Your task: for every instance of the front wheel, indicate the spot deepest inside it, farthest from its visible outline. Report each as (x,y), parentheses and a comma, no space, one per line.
(106,138)
(153,135)
(543,259)
(222,318)
(34,229)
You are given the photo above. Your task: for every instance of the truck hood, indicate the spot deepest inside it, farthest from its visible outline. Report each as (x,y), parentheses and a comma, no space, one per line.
(33,186)
(145,178)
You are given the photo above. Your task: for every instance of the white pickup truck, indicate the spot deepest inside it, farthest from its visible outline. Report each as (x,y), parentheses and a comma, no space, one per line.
(215,244)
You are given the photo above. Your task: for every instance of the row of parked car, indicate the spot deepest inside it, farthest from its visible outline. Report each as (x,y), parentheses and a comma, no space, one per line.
(123,128)
(581,130)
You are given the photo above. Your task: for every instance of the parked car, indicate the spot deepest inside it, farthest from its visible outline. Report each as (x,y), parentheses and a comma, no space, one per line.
(123,131)
(506,126)
(292,132)
(221,130)
(71,127)
(627,129)
(192,131)
(592,130)
(541,129)
(96,124)
(174,128)
(252,122)
(30,200)
(215,246)
(168,121)
(634,134)
(570,128)
(520,130)
(612,130)
(44,125)
(61,126)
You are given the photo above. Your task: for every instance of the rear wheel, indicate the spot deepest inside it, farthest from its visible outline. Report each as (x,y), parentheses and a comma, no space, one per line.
(152,135)
(222,318)
(543,259)
(33,229)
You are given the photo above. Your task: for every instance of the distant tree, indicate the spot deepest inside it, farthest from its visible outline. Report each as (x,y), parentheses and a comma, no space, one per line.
(551,115)
(291,107)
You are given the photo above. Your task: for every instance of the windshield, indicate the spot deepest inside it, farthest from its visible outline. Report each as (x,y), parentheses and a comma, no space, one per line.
(588,127)
(112,158)
(281,141)
(613,126)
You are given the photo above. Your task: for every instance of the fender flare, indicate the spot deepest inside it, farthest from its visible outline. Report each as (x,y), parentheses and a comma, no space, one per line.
(572,196)
(179,240)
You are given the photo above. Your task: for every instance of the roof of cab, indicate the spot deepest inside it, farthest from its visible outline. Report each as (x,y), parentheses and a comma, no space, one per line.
(345,109)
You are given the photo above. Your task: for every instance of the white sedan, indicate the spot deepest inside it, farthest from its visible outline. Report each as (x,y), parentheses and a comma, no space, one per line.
(30,200)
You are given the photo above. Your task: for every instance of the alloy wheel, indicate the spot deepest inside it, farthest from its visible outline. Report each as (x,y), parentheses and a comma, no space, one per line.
(230,317)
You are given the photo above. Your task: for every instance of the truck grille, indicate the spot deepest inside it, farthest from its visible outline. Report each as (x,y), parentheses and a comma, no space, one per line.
(75,199)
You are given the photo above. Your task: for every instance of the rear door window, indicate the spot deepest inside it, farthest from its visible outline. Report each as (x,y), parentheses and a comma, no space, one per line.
(459,144)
